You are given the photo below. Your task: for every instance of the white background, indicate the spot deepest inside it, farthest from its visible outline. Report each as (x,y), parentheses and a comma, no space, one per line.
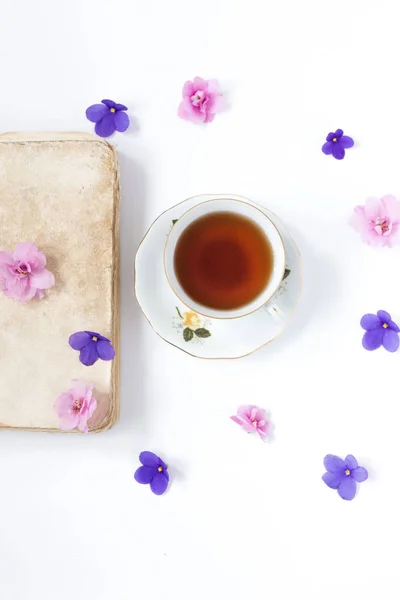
(241,519)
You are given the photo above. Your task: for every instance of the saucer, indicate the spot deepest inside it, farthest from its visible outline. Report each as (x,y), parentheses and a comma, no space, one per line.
(195,334)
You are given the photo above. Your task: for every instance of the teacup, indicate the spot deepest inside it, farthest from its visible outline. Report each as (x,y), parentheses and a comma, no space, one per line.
(234,240)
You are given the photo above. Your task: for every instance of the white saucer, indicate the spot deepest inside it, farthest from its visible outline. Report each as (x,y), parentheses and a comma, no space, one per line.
(197,335)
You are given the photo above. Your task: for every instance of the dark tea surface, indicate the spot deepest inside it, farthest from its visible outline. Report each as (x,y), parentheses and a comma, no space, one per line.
(223,260)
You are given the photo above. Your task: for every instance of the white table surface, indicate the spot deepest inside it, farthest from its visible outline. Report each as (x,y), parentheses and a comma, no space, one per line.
(241,519)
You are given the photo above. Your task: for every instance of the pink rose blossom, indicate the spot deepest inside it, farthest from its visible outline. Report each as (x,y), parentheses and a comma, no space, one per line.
(202,99)
(23,275)
(76,406)
(378,221)
(253,420)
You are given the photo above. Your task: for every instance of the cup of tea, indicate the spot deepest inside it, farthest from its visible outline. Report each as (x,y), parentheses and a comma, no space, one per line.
(224,258)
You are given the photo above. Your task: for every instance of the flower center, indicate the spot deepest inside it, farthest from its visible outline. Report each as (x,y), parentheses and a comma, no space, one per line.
(255,423)
(334,140)
(197,98)
(112,110)
(22,269)
(160,469)
(385,325)
(94,338)
(347,472)
(77,405)
(383,226)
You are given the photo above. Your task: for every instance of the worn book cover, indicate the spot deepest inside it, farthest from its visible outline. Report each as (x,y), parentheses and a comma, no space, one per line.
(61,192)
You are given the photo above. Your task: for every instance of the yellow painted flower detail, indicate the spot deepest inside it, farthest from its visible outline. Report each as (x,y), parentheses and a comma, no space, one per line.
(192,326)
(191,319)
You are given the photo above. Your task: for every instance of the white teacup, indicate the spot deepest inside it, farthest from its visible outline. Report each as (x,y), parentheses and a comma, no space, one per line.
(245,210)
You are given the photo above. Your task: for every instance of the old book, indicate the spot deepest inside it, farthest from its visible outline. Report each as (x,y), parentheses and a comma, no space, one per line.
(61,192)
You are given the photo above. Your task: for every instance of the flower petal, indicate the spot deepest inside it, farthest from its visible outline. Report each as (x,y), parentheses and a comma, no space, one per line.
(359,474)
(360,223)
(96,334)
(25,252)
(330,136)
(63,404)
(369,322)
(164,467)
(209,118)
(105,350)
(79,389)
(373,339)
(351,462)
(392,325)
(79,339)
(43,280)
(334,464)
(88,354)
(145,474)
(346,141)
(332,480)
(188,112)
(200,84)
(106,126)
(391,207)
(159,484)
(347,488)
(96,112)
(149,459)
(245,410)
(373,208)
(390,340)
(214,88)
(216,104)
(109,103)
(338,133)
(121,121)
(327,148)
(69,422)
(245,424)
(19,289)
(82,425)
(6,258)
(384,316)
(187,89)
(120,107)
(338,150)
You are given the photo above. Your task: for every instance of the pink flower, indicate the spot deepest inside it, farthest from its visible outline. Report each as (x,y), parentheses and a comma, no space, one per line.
(378,221)
(253,420)
(76,406)
(202,99)
(22,273)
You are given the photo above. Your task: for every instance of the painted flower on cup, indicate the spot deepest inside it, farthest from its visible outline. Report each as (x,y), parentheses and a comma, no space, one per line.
(380,330)
(191,319)
(253,420)
(343,475)
(336,144)
(191,323)
(109,116)
(201,100)
(153,471)
(23,273)
(75,406)
(378,221)
(91,346)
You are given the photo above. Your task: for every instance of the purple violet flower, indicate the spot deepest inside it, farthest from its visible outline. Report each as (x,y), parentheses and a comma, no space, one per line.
(92,346)
(108,116)
(342,475)
(336,143)
(154,471)
(380,330)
